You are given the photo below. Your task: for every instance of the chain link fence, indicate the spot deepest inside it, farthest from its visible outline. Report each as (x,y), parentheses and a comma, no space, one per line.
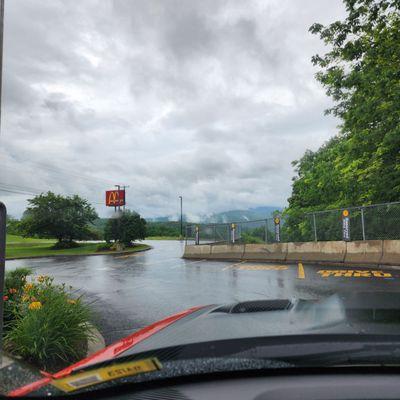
(378,221)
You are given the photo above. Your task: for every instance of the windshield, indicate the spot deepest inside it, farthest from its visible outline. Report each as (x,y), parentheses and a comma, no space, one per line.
(190,187)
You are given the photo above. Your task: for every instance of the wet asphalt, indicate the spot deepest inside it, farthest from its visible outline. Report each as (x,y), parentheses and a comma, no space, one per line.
(131,291)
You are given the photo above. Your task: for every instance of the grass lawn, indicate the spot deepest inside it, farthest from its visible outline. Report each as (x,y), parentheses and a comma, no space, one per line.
(19,247)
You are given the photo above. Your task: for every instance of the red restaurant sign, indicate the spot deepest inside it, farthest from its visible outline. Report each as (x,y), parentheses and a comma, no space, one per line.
(115,198)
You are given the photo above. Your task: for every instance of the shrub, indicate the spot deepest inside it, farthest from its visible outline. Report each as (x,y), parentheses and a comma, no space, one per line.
(104,247)
(50,329)
(17,278)
(65,245)
(13,287)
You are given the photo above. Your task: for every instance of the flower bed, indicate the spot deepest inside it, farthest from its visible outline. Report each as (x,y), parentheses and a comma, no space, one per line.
(43,324)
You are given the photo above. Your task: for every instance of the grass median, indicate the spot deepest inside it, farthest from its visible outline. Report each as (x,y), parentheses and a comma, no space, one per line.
(20,247)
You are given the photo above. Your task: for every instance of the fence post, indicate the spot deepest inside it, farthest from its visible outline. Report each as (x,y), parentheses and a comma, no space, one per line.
(266,231)
(197,238)
(362,223)
(233,229)
(277,221)
(315,228)
(3,214)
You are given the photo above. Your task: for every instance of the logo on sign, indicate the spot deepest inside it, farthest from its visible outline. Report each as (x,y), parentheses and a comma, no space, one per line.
(115,198)
(346,225)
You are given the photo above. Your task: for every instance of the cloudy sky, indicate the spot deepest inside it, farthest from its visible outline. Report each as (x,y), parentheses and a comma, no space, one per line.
(208,99)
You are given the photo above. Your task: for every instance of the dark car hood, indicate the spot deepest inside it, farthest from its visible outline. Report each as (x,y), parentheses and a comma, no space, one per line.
(347,313)
(205,330)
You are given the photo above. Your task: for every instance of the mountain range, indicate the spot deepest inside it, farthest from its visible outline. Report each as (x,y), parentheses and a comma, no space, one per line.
(250,214)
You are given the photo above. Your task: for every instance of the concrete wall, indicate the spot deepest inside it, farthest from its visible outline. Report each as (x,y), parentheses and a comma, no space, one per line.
(274,251)
(391,252)
(372,252)
(227,251)
(361,252)
(200,251)
(316,251)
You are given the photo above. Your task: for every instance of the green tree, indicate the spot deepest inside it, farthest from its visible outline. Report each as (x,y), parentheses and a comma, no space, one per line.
(126,228)
(361,165)
(361,73)
(13,225)
(55,216)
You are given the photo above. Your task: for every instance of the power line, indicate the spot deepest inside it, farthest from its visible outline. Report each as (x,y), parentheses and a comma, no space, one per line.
(15,189)
(92,180)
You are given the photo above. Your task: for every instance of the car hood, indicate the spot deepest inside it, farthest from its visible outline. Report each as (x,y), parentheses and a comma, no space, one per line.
(372,313)
(346,313)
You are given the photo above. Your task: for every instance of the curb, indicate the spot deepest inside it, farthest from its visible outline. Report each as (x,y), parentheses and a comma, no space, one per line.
(95,343)
(105,253)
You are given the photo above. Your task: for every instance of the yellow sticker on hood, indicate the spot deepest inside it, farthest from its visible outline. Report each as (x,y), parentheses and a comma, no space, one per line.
(100,375)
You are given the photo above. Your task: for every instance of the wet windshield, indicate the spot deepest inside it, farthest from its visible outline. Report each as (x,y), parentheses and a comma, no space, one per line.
(193,187)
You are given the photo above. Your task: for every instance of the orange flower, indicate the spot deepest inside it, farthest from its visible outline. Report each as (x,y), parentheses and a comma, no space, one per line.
(35,305)
(41,278)
(28,287)
(71,301)
(12,291)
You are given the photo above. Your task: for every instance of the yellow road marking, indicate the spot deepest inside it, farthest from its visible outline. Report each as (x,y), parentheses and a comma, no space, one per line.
(256,267)
(245,266)
(233,265)
(300,271)
(350,273)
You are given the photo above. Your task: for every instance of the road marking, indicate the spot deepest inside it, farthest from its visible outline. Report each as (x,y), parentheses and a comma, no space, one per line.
(233,265)
(245,266)
(300,271)
(264,267)
(350,273)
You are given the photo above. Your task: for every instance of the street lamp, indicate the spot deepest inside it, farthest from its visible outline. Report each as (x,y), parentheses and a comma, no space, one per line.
(180,198)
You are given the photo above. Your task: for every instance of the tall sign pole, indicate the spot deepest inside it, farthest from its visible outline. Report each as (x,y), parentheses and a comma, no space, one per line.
(116,199)
(3,211)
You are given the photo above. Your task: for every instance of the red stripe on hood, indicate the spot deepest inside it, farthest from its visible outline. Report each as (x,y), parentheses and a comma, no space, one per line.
(108,353)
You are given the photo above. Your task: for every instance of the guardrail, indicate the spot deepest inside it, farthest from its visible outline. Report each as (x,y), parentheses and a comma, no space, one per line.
(370,222)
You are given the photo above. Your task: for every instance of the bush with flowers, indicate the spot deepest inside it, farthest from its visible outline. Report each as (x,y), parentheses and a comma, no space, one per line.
(43,323)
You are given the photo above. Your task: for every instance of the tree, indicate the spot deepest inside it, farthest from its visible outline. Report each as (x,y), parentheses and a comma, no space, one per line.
(13,225)
(360,165)
(361,74)
(126,228)
(55,216)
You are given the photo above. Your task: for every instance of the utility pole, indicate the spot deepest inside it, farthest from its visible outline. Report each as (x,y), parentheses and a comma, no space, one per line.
(180,197)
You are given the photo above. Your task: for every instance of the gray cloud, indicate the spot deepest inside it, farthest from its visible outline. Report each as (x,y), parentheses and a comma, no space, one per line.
(210,99)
